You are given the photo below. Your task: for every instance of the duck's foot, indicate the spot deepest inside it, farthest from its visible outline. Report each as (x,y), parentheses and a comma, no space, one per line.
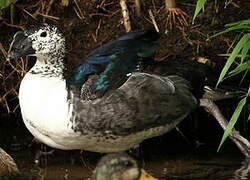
(176,17)
(241,142)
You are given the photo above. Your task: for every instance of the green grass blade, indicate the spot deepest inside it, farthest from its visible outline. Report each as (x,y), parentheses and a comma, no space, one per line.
(200,4)
(231,29)
(5,3)
(234,54)
(244,51)
(2,3)
(227,55)
(232,121)
(246,21)
(242,67)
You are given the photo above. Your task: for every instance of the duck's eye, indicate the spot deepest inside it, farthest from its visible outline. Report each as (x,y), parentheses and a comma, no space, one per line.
(43,34)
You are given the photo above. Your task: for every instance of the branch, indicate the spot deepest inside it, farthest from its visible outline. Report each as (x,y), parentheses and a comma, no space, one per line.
(153,20)
(241,142)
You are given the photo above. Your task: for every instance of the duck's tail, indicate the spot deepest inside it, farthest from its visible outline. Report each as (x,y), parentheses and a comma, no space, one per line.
(201,77)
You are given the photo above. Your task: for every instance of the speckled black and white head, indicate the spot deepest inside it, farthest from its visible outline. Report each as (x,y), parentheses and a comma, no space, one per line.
(44,42)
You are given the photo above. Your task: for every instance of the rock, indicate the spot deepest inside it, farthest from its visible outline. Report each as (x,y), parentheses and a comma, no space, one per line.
(7,164)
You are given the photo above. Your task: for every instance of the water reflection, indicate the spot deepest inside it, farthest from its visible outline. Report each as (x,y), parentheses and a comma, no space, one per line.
(242,172)
(202,163)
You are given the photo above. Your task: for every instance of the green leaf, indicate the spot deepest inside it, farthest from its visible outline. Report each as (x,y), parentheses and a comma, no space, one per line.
(231,29)
(242,67)
(2,3)
(200,4)
(246,21)
(6,3)
(245,50)
(234,54)
(232,121)
(227,55)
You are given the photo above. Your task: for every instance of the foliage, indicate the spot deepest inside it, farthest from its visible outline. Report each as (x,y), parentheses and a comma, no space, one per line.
(233,119)
(241,52)
(6,3)
(200,4)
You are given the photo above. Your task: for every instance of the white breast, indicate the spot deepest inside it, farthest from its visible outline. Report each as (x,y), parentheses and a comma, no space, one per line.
(44,107)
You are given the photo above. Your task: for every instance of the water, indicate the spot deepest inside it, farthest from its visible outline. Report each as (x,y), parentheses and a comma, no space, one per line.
(182,164)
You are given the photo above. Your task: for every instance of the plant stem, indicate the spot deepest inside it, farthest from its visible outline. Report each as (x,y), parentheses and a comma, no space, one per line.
(125,14)
(170,4)
(138,8)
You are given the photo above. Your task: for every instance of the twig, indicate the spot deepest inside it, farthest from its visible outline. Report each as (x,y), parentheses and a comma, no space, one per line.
(77,13)
(98,27)
(102,3)
(3,50)
(13,25)
(49,17)
(242,143)
(153,20)
(81,16)
(125,14)
(12,13)
(94,37)
(48,9)
(29,14)
(106,15)
(13,67)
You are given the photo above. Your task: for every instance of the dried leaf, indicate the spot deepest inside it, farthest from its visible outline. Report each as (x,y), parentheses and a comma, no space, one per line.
(65,2)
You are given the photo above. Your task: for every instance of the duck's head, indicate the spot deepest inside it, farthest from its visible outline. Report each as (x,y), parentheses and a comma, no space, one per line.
(41,41)
(119,166)
(44,42)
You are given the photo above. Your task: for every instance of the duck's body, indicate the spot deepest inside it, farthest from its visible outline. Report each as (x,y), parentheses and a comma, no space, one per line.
(135,105)
(116,122)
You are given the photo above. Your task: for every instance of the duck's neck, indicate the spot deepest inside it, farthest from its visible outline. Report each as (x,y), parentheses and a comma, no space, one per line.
(49,65)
